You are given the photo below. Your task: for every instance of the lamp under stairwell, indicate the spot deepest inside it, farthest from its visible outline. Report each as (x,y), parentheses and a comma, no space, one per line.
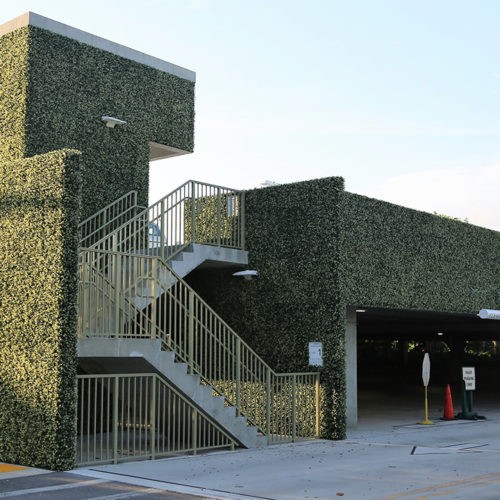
(248,274)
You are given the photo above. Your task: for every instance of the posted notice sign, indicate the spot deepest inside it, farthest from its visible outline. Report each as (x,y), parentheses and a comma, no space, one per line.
(315,353)
(469,378)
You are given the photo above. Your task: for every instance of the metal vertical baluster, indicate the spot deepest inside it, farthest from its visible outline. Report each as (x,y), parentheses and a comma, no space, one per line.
(194,430)
(317,395)
(191,331)
(115,419)
(238,376)
(294,407)
(268,404)
(152,417)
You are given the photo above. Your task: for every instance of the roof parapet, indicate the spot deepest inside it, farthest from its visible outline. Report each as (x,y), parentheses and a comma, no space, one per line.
(33,19)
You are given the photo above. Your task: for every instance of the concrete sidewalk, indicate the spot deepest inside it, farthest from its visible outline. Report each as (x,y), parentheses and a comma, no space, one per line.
(453,459)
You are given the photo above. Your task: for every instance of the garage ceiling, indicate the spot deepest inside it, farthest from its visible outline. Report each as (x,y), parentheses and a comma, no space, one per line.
(410,324)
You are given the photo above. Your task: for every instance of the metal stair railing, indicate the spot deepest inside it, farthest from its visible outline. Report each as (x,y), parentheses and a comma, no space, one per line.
(104,307)
(195,212)
(136,416)
(283,406)
(108,219)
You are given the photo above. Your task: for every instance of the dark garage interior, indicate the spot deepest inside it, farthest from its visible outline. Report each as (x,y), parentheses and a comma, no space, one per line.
(391,345)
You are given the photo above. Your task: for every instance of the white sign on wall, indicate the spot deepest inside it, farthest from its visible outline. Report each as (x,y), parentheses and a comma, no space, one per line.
(315,354)
(469,378)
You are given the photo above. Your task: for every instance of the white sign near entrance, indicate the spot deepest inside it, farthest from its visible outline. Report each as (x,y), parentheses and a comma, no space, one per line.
(469,378)
(426,370)
(315,353)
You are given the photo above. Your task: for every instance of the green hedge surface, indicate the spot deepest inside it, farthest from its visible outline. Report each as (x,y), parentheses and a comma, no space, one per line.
(39,214)
(59,164)
(53,93)
(13,88)
(400,258)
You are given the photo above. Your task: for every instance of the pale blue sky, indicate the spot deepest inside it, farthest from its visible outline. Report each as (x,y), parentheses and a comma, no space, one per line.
(401,98)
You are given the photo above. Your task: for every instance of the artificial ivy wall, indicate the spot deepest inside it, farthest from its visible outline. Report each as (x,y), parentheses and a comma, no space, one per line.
(53,93)
(13,87)
(39,214)
(400,258)
(319,249)
(70,86)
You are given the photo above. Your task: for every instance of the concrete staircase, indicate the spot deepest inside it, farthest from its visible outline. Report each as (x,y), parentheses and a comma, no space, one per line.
(122,322)
(129,355)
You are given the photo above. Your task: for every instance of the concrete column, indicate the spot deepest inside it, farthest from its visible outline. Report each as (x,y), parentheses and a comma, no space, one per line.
(351,354)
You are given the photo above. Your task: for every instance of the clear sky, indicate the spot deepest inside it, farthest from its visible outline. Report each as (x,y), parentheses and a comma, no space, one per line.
(399,97)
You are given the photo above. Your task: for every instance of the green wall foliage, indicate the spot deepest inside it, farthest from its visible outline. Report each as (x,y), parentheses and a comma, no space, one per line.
(13,85)
(212,222)
(53,92)
(39,215)
(400,258)
(292,234)
(70,86)
(319,249)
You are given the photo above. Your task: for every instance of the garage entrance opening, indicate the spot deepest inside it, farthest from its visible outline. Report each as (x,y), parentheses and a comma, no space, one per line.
(389,347)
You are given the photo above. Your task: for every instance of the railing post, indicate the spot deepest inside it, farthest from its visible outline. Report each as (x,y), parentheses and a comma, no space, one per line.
(118,284)
(115,419)
(194,431)
(294,407)
(238,375)
(219,223)
(317,405)
(153,317)
(152,417)
(193,212)
(242,220)
(190,331)
(268,404)
(84,296)
(163,243)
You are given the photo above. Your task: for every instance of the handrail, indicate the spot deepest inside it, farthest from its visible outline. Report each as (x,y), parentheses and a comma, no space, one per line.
(107,219)
(187,325)
(195,212)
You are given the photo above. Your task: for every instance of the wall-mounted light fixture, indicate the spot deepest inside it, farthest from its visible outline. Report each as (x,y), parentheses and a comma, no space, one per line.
(268,183)
(248,274)
(111,121)
(489,314)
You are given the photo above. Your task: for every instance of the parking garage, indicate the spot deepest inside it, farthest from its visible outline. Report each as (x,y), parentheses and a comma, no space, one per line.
(385,349)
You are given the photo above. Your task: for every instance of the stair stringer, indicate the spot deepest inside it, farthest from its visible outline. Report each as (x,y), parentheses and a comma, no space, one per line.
(176,373)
